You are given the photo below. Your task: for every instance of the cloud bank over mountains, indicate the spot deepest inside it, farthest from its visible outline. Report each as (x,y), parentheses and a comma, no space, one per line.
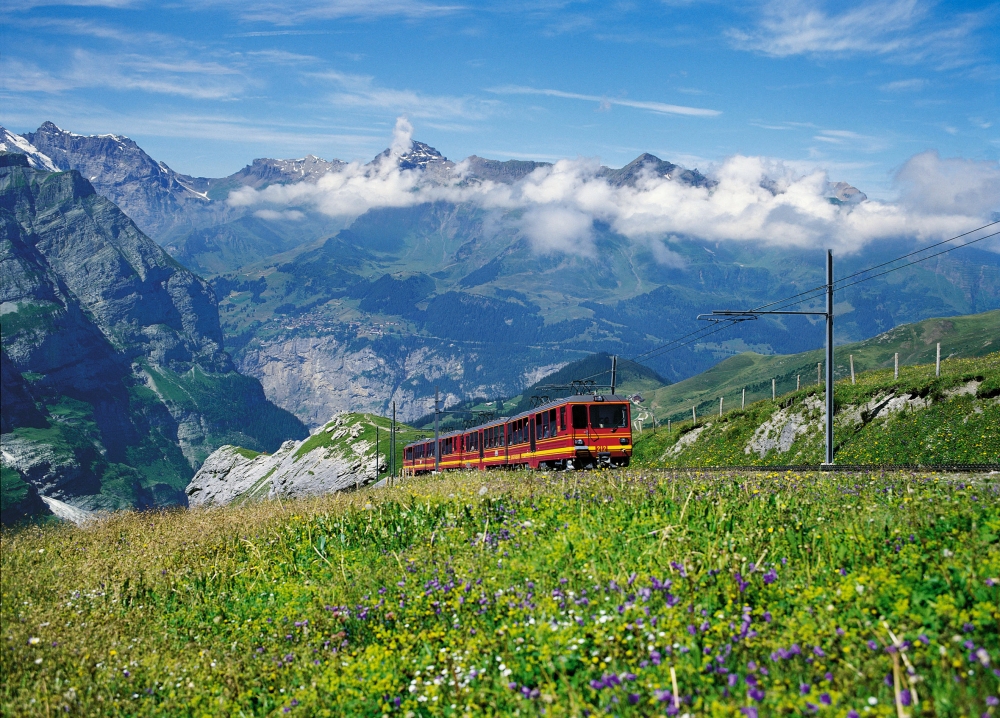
(749,199)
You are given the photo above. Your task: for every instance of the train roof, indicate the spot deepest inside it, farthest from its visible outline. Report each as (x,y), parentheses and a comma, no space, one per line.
(551,404)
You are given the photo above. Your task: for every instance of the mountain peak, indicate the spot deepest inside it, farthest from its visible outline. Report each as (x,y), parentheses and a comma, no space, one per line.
(418,157)
(647,163)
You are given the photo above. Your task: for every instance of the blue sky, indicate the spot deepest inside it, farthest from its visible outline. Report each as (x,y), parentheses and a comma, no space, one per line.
(856,88)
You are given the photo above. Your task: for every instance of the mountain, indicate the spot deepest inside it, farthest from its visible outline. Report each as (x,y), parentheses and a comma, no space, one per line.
(631,379)
(165,204)
(466,297)
(115,382)
(455,296)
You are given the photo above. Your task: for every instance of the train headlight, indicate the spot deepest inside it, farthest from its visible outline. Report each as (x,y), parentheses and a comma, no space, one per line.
(578,442)
(623,441)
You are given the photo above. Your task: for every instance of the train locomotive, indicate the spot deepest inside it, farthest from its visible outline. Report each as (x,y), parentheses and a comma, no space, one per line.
(575,432)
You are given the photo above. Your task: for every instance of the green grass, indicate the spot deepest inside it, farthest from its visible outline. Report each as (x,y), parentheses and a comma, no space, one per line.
(13,489)
(956,428)
(323,439)
(520,593)
(968,336)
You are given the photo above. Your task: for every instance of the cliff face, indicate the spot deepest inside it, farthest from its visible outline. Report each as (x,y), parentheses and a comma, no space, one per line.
(343,453)
(115,382)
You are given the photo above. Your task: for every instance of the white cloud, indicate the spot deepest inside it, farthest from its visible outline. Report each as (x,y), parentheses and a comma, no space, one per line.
(910,85)
(607,102)
(159,74)
(901,29)
(557,229)
(360,91)
(934,185)
(282,13)
(755,199)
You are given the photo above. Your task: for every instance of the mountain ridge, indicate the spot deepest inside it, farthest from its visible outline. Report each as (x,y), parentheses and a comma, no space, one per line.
(115,381)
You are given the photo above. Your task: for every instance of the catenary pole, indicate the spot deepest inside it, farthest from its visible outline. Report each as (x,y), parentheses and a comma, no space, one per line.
(829,357)
(437,445)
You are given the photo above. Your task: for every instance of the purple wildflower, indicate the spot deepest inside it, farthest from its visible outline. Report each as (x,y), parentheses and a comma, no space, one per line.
(825,699)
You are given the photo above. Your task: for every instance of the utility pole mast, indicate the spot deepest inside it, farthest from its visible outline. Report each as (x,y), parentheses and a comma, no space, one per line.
(829,358)
(614,373)
(731,315)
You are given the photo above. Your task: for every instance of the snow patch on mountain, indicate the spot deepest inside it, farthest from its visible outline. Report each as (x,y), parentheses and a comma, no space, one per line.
(9,142)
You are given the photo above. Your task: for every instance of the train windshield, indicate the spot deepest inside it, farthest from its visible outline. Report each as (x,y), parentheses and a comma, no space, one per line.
(608,416)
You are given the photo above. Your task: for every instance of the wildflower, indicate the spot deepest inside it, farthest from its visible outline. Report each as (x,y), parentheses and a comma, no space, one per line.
(825,699)
(34,641)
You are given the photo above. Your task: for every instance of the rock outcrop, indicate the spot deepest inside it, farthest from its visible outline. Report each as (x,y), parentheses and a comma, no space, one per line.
(339,455)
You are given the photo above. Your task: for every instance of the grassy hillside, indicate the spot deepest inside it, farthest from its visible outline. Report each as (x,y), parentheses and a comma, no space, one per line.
(915,419)
(340,442)
(631,378)
(966,336)
(627,593)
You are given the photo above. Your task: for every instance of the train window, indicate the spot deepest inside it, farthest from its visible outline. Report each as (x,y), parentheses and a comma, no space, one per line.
(608,416)
(562,418)
(552,422)
(544,424)
(579,416)
(409,454)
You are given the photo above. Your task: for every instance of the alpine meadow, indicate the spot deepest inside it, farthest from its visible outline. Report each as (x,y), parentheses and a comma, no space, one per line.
(414,359)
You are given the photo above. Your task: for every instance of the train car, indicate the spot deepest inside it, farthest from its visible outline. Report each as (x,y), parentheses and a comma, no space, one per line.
(575,432)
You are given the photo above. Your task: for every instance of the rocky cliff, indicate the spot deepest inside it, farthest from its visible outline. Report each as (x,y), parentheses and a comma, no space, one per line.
(341,454)
(115,382)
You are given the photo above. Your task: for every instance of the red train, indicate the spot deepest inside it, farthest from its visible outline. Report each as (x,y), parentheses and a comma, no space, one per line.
(572,433)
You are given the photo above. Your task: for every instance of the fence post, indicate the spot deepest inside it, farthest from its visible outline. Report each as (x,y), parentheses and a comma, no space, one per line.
(720,407)
(937,364)
(852,370)
(774,390)
(819,372)
(668,427)
(743,404)
(694,417)
(798,381)
(895,365)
